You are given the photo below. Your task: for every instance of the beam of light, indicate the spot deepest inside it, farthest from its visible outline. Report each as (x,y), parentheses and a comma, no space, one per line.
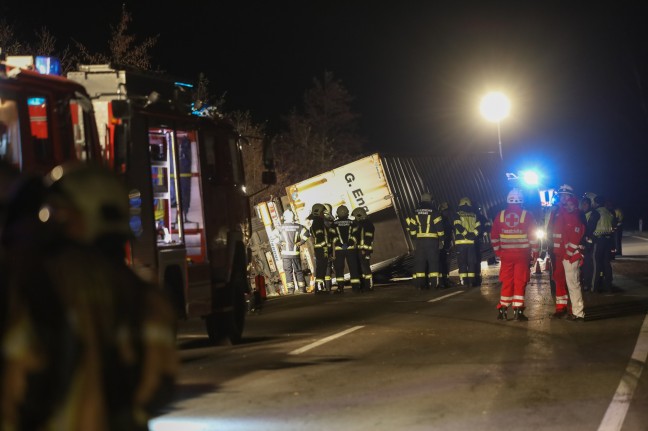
(531,178)
(207,424)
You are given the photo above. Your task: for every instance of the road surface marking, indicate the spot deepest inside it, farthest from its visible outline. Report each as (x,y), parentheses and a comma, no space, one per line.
(640,237)
(618,408)
(446,296)
(324,340)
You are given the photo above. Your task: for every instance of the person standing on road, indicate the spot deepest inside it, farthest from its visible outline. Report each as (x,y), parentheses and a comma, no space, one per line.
(591,220)
(345,250)
(320,233)
(364,234)
(444,253)
(426,227)
(602,273)
(466,230)
(618,232)
(569,230)
(291,236)
(88,344)
(329,278)
(515,243)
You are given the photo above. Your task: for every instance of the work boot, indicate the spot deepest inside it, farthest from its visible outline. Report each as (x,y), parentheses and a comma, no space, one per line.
(560,314)
(502,314)
(518,314)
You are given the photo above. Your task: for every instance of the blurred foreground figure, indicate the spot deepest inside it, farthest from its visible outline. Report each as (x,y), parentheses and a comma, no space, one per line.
(87,344)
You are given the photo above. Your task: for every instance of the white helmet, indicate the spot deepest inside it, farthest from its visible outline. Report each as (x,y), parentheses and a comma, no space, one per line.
(288,216)
(515,197)
(565,188)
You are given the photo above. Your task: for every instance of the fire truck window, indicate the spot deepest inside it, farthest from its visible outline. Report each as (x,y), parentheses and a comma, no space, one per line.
(80,132)
(10,132)
(39,126)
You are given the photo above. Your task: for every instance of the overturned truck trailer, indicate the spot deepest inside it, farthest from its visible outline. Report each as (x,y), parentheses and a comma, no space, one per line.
(389,188)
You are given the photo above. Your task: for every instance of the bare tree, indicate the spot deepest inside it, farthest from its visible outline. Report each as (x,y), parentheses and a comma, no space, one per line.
(321,138)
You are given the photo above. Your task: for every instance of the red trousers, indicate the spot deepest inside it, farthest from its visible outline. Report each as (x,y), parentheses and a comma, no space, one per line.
(514,274)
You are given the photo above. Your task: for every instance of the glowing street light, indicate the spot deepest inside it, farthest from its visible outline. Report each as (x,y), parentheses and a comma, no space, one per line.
(495,107)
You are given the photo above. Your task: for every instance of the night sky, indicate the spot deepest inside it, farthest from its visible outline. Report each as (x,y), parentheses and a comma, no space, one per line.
(417,70)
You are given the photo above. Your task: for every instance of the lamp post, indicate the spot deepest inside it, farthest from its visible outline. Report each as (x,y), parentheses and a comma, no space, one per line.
(494,107)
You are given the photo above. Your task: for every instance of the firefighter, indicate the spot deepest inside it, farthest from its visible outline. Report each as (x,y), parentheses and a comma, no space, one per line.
(444,253)
(321,235)
(290,236)
(514,242)
(568,233)
(329,278)
(88,344)
(591,220)
(426,227)
(466,231)
(618,232)
(364,235)
(345,246)
(485,225)
(603,240)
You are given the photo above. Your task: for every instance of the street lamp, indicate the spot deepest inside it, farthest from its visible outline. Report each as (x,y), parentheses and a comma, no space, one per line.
(495,107)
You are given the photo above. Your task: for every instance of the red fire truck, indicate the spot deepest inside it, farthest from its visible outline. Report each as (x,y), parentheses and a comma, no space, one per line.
(45,119)
(190,211)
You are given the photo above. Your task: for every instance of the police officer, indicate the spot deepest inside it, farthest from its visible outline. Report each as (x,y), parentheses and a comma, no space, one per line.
(291,236)
(603,240)
(426,227)
(345,246)
(364,234)
(591,220)
(466,231)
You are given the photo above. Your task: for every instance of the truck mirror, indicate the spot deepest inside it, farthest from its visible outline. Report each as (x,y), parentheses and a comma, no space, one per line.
(120,109)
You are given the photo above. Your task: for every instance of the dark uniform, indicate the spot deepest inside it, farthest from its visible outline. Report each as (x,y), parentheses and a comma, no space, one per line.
(426,227)
(591,220)
(346,250)
(321,235)
(292,235)
(364,234)
(603,243)
(466,231)
(444,253)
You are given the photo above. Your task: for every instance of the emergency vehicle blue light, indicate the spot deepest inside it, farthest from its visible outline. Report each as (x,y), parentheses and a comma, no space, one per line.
(183,84)
(36,101)
(530,178)
(48,65)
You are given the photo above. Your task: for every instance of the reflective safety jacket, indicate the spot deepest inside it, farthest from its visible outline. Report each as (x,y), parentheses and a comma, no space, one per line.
(291,236)
(364,234)
(321,233)
(568,233)
(605,224)
(426,223)
(466,226)
(513,232)
(343,238)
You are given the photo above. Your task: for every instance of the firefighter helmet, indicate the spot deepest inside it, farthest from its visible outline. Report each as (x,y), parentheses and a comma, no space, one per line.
(95,193)
(288,216)
(515,196)
(465,202)
(443,206)
(591,196)
(426,197)
(359,213)
(318,210)
(342,211)
(565,188)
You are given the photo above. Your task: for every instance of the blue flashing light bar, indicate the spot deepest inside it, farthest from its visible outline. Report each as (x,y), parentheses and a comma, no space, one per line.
(183,84)
(47,65)
(36,101)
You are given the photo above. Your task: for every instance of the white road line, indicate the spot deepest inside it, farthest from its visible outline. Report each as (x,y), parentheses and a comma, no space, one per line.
(324,340)
(618,408)
(446,296)
(640,237)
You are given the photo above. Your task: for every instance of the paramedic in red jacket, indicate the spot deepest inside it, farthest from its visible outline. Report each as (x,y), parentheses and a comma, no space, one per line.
(569,230)
(514,242)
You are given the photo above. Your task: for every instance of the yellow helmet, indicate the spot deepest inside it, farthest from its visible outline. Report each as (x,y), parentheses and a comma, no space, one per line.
(465,202)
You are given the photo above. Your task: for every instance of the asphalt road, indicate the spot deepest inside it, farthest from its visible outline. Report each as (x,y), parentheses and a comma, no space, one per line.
(400,359)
